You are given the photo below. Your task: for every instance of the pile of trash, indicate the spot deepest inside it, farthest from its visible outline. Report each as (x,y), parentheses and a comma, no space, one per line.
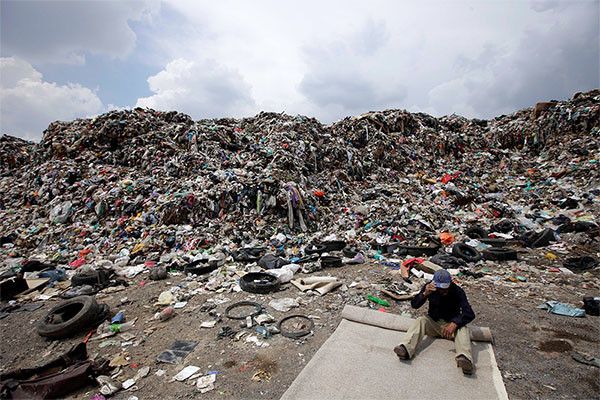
(154,184)
(14,153)
(250,205)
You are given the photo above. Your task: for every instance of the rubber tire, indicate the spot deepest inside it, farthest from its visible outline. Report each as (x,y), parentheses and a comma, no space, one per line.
(315,249)
(99,277)
(249,254)
(307,259)
(504,226)
(591,305)
(494,242)
(580,226)
(334,245)
(579,264)
(466,252)
(542,239)
(258,308)
(203,270)
(476,232)
(417,251)
(331,262)
(349,252)
(499,254)
(86,317)
(296,334)
(248,284)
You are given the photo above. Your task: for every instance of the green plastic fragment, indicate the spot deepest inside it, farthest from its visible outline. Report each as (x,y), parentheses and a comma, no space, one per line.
(378,301)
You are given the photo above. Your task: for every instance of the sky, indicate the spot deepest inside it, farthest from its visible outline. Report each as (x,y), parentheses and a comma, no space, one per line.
(62,60)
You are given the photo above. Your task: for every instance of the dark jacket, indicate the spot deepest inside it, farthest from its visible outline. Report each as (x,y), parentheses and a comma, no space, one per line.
(453,307)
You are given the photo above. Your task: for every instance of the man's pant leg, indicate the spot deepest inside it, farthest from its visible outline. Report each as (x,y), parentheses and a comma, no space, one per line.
(462,342)
(421,327)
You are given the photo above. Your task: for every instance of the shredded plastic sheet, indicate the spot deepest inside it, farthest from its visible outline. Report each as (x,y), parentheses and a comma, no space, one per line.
(558,308)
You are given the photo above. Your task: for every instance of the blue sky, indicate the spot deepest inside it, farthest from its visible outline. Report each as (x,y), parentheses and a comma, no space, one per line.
(67,59)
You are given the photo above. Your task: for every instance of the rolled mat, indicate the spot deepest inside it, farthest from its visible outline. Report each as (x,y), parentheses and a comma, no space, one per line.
(399,323)
(320,284)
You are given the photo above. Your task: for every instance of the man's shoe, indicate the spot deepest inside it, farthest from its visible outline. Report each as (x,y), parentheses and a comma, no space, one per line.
(401,352)
(465,364)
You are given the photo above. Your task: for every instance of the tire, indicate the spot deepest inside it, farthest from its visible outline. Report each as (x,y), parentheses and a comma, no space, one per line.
(249,254)
(350,252)
(580,263)
(494,242)
(195,270)
(499,254)
(591,305)
(334,245)
(299,333)
(315,249)
(259,282)
(578,226)
(99,277)
(418,251)
(331,262)
(476,232)
(541,239)
(257,309)
(503,226)
(307,259)
(466,252)
(81,313)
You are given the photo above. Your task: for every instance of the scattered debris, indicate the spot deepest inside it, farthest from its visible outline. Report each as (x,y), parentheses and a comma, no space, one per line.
(177,352)
(284,304)
(558,308)
(186,373)
(295,326)
(206,383)
(585,359)
(142,199)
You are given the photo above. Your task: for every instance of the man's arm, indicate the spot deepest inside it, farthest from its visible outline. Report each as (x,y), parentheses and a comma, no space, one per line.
(466,312)
(421,297)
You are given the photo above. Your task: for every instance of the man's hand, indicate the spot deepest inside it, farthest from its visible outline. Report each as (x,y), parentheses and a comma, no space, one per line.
(449,330)
(430,288)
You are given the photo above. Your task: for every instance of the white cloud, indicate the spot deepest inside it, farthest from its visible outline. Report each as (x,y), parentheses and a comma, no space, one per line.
(203,89)
(28,103)
(15,70)
(346,75)
(551,61)
(325,59)
(65,31)
(475,57)
(545,5)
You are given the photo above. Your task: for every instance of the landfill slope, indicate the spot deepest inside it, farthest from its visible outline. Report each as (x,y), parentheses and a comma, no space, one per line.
(221,172)
(131,191)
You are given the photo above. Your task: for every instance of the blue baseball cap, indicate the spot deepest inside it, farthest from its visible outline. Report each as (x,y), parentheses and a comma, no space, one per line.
(442,279)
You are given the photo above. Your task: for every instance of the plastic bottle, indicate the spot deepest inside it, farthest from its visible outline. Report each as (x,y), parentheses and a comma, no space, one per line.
(263,332)
(378,301)
(165,314)
(119,318)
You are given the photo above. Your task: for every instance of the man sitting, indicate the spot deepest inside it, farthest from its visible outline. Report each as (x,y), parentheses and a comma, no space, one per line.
(449,313)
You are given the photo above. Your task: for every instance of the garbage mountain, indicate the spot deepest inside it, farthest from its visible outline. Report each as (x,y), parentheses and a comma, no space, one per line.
(155,182)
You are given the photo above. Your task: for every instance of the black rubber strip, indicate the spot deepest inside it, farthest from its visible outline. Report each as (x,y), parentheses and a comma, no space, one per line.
(258,310)
(296,334)
(331,261)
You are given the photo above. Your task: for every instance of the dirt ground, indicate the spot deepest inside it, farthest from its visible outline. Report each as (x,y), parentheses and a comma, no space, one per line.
(533,347)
